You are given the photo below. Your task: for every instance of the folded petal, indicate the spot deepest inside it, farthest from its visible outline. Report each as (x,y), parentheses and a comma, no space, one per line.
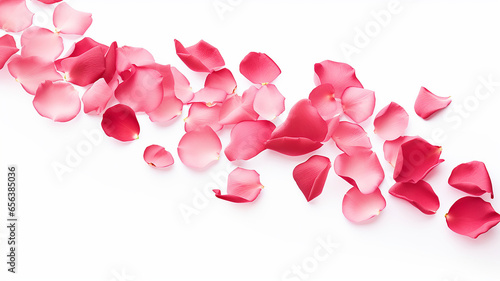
(323,98)
(259,68)
(41,42)
(293,146)
(81,47)
(416,158)
(359,207)
(110,63)
(15,15)
(32,71)
(199,148)
(239,108)
(86,68)
(156,156)
(391,148)
(350,137)
(471,216)
(221,79)
(182,86)
(127,56)
(420,195)
(361,169)
(269,102)
(391,122)
(428,103)
(332,126)
(120,122)
(97,97)
(169,108)
(358,103)
(209,96)
(7,49)
(340,75)
(70,21)
(311,176)
(243,186)
(471,177)
(248,139)
(201,57)
(58,101)
(202,115)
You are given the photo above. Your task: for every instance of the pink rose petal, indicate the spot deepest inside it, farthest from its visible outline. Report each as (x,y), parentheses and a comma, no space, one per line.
(323,98)
(81,47)
(127,56)
(41,42)
(199,148)
(248,139)
(7,49)
(391,122)
(97,97)
(110,63)
(243,186)
(182,86)
(416,158)
(202,115)
(332,126)
(86,68)
(120,122)
(420,195)
(201,57)
(58,101)
(350,137)
(269,103)
(70,21)
(15,15)
(471,216)
(169,108)
(359,207)
(311,176)
(221,79)
(293,146)
(239,108)
(361,169)
(32,71)
(428,103)
(391,148)
(358,103)
(209,96)
(259,68)
(471,177)
(340,75)
(49,1)
(156,156)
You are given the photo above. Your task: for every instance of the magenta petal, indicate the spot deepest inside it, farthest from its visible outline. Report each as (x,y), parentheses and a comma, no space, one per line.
(86,68)
(110,63)
(259,68)
(156,156)
(199,148)
(311,176)
(41,42)
(7,49)
(209,96)
(416,158)
(169,108)
(14,15)
(350,137)
(359,207)
(471,177)
(120,122)
(70,21)
(49,1)
(269,103)
(97,97)
(58,101)
(391,122)
(361,169)
(293,146)
(243,186)
(32,71)
(471,216)
(239,108)
(420,195)
(142,91)
(323,98)
(428,103)
(358,103)
(340,75)
(391,148)
(221,79)
(127,56)
(201,57)
(202,115)
(248,139)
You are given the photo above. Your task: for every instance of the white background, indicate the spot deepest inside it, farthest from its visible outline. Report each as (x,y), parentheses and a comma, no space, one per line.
(115,218)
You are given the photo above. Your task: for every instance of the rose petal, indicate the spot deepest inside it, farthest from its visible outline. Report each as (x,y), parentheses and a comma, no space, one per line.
(323,98)
(311,176)
(428,103)
(332,125)
(110,63)
(221,79)
(259,68)
(358,103)
(248,139)
(340,75)
(416,158)
(119,122)
(81,47)
(243,186)
(86,68)
(32,71)
(391,122)
(97,97)
(127,56)
(41,42)
(359,207)
(202,115)
(350,137)
(293,146)
(199,148)
(201,57)
(471,177)
(49,1)
(182,87)
(58,101)
(239,108)
(471,216)
(15,15)
(361,169)
(156,156)
(169,108)
(269,102)
(391,148)
(7,49)
(209,96)
(70,21)
(420,195)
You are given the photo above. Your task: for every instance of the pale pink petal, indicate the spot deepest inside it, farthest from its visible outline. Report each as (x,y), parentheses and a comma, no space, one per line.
(248,139)
(471,177)
(201,57)
(340,75)
(350,137)
(420,194)
(359,207)
(209,96)
(182,87)
(169,108)
(259,68)
(239,108)
(269,103)
(156,156)
(221,79)
(97,97)
(416,158)
(391,122)
(58,101)
(471,216)
(323,98)
(243,186)
(120,122)
(202,115)
(15,15)
(127,56)
(293,146)
(199,148)
(391,148)
(32,71)
(358,103)
(361,169)
(41,42)
(428,103)
(70,21)
(311,175)
(86,68)
(7,49)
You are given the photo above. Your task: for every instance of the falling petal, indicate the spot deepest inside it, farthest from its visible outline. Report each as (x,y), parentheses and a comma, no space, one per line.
(202,115)
(41,42)
(471,177)
(391,148)
(97,97)
(209,96)
(32,71)
(428,103)
(358,103)
(248,139)
(416,158)
(201,57)
(7,49)
(243,186)
(350,137)
(391,122)
(269,103)
(239,108)
(323,98)
(120,122)
(311,176)
(259,68)
(471,216)
(340,75)
(156,156)
(199,148)
(359,207)
(361,169)
(221,79)
(70,21)
(86,68)
(420,195)
(15,15)
(58,101)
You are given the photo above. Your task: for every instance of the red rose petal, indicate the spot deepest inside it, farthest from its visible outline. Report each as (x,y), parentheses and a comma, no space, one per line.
(420,195)
(110,63)
(269,103)
(58,101)
(359,207)
(350,137)
(358,103)
(49,1)
(202,115)
(471,216)
(471,177)
(391,122)
(81,47)
(120,122)
(293,146)
(86,68)
(7,48)
(41,42)
(156,156)
(311,176)
(391,148)
(239,108)
(15,15)
(416,158)
(201,57)
(259,68)
(221,79)
(340,75)
(97,97)
(248,139)
(32,71)
(70,21)
(361,169)
(199,148)
(209,96)
(428,103)
(243,186)
(127,56)
(323,98)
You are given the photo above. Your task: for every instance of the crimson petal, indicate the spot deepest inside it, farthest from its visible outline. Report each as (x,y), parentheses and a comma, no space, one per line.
(41,42)
(471,216)
(358,103)
(127,56)
(391,148)
(269,103)
(361,169)
(391,122)
(428,103)
(243,186)
(202,115)
(97,97)
(120,122)
(70,21)
(199,148)
(350,137)
(311,176)
(15,15)
(221,79)
(86,68)
(156,156)
(57,101)
(420,195)
(293,146)
(201,57)
(259,68)
(248,139)
(110,63)
(7,48)
(49,1)
(359,207)
(32,71)
(416,158)
(471,177)
(340,75)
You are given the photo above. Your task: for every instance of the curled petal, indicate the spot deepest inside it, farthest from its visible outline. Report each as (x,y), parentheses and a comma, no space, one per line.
(239,108)
(293,146)
(361,169)
(120,122)
(199,148)
(248,139)
(142,91)
(323,98)
(15,15)
(391,148)
(41,42)
(332,125)
(359,207)
(471,216)
(127,56)
(259,68)
(471,177)
(311,176)
(358,103)
(86,68)
(81,47)
(97,97)
(202,115)
(428,103)
(350,137)
(201,57)
(70,21)
(243,186)
(416,158)
(420,195)
(169,108)
(7,49)
(110,63)
(391,122)
(57,101)
(221,79)
(156,156)
(340,75)
(209,96)
(32,71)
(269,102)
